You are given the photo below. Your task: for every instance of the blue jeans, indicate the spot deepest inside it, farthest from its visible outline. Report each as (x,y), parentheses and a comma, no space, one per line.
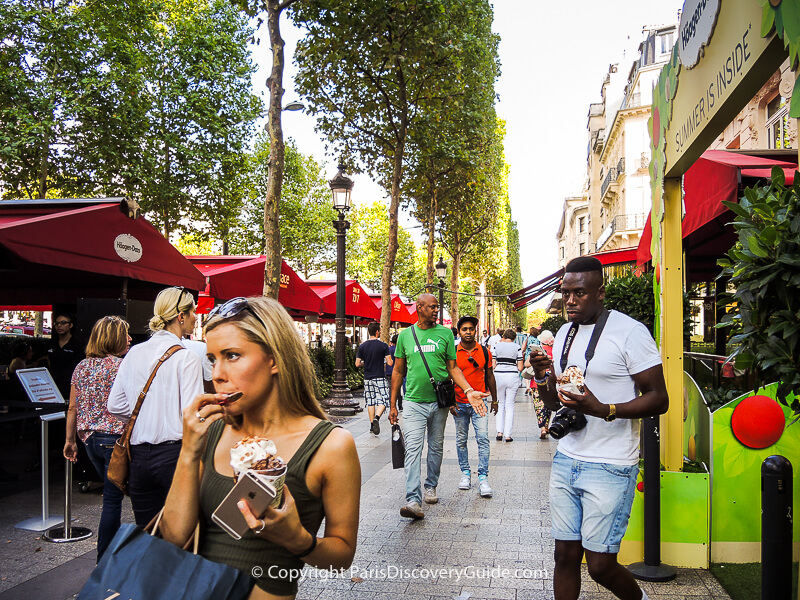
(591,502)
(152,468)
(463,417)
(99,447)
(416,417)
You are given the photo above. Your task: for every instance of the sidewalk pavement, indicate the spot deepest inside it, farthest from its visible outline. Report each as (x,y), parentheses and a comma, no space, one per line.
(466,547)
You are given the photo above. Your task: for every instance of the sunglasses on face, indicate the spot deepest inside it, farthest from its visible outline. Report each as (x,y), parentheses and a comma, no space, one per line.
(63,322)
(232,308)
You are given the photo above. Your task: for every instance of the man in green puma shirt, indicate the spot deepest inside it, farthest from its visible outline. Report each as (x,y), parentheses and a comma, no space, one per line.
(421,411)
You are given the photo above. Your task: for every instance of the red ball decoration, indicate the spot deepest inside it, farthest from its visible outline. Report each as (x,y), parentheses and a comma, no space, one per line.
(640,486)
(758,422)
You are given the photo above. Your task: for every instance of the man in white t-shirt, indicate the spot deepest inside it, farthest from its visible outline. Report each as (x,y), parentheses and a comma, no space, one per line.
(594,471)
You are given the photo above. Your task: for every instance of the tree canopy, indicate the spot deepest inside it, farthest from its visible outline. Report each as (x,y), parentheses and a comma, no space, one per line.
(149,98)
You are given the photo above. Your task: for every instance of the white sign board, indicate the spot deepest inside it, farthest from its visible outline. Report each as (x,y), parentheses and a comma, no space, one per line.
(39,386)
(696,28)
(128,247)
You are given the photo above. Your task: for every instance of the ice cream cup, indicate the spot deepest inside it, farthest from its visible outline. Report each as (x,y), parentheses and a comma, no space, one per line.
(569,387)
(275,481)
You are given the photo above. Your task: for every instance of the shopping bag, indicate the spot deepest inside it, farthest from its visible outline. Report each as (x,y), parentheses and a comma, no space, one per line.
(398,448)
(140,566)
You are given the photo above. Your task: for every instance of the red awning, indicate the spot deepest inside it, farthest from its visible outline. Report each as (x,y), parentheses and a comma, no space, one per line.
(232,276)
(83,245)
(27,307)
(357,300)
(400,313)
(412,310)
(712,179)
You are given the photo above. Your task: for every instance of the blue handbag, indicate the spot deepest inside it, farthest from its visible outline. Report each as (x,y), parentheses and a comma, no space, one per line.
(137,565)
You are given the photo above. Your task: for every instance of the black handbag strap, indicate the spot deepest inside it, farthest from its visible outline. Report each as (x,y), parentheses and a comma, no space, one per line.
(573,330)
(422,356)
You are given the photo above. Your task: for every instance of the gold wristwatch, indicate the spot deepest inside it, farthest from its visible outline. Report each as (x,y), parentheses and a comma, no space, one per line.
(612,413)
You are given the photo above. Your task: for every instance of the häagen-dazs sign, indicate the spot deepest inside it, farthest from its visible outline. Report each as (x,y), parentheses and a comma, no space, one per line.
(696,28)
(128,247)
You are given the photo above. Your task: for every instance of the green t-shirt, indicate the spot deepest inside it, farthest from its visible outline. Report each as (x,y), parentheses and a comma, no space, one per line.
(438,345)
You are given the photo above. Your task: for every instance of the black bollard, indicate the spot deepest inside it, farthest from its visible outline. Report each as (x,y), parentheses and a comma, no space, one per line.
(652,569)
(776,528)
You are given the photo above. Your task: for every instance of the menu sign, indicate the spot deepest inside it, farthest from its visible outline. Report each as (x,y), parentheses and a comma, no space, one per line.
(39,386)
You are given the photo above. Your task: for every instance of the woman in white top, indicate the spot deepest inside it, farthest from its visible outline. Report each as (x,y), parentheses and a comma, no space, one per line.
(156,439)
(507,361)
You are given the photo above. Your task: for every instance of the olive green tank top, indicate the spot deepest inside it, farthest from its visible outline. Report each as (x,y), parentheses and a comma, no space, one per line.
(252,551)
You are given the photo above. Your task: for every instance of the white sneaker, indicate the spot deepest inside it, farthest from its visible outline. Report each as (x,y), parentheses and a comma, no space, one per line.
(485,489)
(412,510)
(430,496)
(466,481)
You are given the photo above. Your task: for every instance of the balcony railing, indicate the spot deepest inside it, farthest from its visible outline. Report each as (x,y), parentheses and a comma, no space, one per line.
(612,176)
(621,223)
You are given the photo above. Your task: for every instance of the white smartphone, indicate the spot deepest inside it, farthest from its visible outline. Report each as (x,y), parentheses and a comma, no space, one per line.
(258,495)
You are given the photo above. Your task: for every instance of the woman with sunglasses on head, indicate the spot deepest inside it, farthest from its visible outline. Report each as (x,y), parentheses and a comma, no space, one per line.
(265,387)
(156,439)
(88,415)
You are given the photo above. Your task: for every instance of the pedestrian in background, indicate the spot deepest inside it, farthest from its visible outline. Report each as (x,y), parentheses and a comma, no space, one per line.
(88,415)
(475,362)
(373,355)
(422,411)
(507,366)
(156,439)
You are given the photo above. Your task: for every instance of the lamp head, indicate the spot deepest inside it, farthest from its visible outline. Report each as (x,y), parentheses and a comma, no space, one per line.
(341,187)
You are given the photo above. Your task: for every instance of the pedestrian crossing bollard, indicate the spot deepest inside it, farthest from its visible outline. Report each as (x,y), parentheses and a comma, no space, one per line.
(776,528)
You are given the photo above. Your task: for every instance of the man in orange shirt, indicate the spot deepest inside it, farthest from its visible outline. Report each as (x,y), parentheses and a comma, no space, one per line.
(475,361)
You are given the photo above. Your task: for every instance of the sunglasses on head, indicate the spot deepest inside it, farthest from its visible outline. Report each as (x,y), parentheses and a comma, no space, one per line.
(180,297)
(232,308)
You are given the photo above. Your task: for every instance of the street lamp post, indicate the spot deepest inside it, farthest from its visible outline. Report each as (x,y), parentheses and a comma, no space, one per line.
(490,315)
(441,273)
(341,401)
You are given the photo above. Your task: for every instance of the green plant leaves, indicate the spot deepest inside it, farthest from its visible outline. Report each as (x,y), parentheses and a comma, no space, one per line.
(764,267)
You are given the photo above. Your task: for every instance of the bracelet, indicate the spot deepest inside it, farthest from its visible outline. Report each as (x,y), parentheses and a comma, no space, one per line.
(310,548)
(468,391)
(542,380)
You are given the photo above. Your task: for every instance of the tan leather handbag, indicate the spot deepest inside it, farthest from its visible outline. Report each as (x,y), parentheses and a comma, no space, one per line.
(120,463)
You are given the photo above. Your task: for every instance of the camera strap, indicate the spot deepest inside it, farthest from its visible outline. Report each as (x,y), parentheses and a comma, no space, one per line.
(573,331)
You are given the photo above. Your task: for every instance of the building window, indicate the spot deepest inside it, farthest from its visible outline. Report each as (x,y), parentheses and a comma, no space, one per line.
(581,249)
(778,123)
(665,42)
(562,251)
(581,224)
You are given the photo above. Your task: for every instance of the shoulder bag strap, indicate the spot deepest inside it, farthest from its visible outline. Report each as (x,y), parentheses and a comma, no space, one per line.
(573,330)
(485,362)
(132,421)
(422,355)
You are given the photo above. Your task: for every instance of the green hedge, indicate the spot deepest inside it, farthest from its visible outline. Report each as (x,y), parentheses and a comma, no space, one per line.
(324,363)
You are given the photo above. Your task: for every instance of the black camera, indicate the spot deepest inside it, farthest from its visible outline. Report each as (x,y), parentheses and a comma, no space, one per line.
(565,421)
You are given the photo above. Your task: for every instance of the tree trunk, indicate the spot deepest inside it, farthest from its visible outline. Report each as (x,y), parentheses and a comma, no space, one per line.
(391,249)
(454,288)
(429,273)
(43,164)
(272,234)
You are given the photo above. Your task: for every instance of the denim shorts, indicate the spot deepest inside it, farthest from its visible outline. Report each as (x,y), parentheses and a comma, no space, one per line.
(591,502)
